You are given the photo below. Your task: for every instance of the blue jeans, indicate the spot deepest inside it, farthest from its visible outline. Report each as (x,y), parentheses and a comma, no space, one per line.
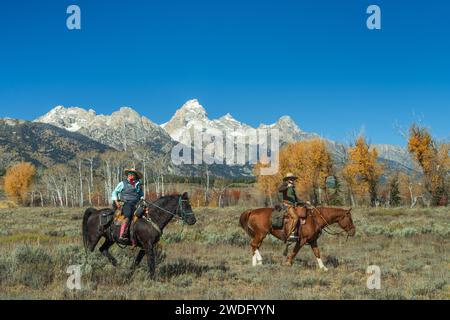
(128,209)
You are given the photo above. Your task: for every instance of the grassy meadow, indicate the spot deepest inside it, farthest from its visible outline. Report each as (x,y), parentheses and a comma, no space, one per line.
(212,259)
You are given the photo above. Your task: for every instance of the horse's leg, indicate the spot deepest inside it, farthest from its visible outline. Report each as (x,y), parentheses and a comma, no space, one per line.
(93,239)
(298,246)
(104,250)
(316,251)
(149,250)
(255,244)
(136,262)
(138,259)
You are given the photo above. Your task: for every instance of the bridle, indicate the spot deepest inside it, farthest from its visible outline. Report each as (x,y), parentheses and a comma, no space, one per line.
(180,213)
(327,225)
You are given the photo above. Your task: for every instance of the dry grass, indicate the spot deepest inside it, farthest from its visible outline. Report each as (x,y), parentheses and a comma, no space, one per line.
(7,204)
(211,260)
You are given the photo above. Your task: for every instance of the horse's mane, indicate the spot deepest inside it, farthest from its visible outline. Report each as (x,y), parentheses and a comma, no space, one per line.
(164,198)
(336,209)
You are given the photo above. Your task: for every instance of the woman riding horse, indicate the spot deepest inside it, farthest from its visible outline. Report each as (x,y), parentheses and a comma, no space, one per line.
(130,192)
(147,230)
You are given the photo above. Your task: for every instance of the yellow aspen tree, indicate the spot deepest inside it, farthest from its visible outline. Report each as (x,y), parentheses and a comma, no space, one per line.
(363,169)
(18,180)
(309,160)
(433,160)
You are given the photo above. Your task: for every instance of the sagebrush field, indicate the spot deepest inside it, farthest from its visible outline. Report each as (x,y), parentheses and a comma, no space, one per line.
(212,259)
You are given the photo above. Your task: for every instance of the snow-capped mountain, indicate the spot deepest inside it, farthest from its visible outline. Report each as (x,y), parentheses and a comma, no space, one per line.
(289,130)
(120,130)
(126,128)
(192,115)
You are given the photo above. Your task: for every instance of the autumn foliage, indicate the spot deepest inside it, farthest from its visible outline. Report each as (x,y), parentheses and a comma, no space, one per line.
(434,160)
(309,160)
(362,171)
(18,180)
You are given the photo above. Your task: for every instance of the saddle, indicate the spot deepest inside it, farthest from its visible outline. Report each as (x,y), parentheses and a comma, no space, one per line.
(281,214)
(119,217)
(115,216)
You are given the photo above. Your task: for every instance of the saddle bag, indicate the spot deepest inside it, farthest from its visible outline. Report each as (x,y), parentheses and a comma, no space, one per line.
(277,220)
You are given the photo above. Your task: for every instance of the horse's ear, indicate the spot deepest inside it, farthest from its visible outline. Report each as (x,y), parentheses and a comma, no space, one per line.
(350,210)
(185,196)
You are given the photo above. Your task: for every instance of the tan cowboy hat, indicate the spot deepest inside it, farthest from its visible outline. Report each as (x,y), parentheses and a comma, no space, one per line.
(290,176)
(132,170)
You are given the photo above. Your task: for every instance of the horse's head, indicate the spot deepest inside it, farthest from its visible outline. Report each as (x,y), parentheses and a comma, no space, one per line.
(346,222)
(184,210)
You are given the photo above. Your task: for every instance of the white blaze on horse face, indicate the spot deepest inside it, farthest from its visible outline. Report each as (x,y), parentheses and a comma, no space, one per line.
(254,260)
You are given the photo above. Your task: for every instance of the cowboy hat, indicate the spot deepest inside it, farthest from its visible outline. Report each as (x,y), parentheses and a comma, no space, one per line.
(132,170)
(290,176)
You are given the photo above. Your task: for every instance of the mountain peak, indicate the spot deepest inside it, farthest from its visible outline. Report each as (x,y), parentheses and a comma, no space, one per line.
(228,117)
(287,120)
(193,105)
(122,128)
(126,112)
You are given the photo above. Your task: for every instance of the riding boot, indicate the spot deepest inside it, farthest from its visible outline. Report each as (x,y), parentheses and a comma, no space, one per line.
(124,230)
(292,235)
(132,236)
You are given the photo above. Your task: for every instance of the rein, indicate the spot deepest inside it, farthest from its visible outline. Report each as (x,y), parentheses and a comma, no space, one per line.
(327,225)
(175,215)
(165,210)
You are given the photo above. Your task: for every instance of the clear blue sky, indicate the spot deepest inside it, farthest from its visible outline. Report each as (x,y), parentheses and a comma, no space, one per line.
(314,60)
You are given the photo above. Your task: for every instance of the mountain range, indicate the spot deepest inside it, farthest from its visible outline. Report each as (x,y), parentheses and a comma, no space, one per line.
(62,132)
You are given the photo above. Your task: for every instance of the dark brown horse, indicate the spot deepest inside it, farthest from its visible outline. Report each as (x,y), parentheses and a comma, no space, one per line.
(258,224)
(146,231)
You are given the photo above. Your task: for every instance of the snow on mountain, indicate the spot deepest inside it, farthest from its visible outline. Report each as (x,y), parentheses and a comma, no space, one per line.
(395,154)
(121,129)
(192,116)
(126,128)
(289,130)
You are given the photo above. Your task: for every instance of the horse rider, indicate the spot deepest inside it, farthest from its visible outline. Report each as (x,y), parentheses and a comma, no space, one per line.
(290,199)
(130,193)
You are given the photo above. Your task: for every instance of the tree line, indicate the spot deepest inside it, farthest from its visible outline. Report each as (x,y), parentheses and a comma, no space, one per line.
(362,180)
(89,179)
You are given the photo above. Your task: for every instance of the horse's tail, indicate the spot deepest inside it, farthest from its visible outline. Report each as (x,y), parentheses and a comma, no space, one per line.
(87,214)
(243,220)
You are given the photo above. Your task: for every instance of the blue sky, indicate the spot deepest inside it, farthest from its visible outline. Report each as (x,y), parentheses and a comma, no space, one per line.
(313,60)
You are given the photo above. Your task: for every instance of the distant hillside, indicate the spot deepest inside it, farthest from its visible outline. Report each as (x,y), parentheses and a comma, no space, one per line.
(41,144)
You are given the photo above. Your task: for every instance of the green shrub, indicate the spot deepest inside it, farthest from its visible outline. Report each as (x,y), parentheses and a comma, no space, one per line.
(33,266)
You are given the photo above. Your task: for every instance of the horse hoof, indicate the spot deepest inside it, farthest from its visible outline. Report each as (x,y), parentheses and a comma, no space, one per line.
(324,269)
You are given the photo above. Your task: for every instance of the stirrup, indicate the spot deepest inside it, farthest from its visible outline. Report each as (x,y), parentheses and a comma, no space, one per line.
(124,238)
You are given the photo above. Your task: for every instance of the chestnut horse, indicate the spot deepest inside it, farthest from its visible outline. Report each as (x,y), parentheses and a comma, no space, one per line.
(258,224)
